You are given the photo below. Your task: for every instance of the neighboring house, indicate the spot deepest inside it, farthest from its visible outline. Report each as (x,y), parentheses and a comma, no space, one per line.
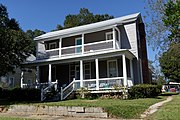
(96,56)
(19,78)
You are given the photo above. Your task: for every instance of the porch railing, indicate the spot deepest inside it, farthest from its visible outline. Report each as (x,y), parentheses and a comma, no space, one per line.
(78,49)
(65,92)
(104,83)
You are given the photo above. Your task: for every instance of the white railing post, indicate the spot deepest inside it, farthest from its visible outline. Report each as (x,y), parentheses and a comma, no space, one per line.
(97,74)
(73,84)
(37,76)
(124,70)
(22,77)
(81,73)
(61,93)
(82,43)
(114,38)
(49,80)
(60,45)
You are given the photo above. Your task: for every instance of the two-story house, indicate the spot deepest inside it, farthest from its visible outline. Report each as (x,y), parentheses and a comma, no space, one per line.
(96,56)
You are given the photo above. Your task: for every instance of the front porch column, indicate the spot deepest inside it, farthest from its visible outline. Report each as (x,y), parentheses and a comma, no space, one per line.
(97,74)
(49,76)
(124,70)
(82,43)
(60,45)
(81,73)
(131,70)
(22,78)
(37,74)
(114,38)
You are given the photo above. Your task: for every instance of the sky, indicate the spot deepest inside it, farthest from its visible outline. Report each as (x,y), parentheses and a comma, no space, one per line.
(46,14)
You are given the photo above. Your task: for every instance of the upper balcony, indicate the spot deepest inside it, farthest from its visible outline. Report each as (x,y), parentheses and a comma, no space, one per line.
(79,44)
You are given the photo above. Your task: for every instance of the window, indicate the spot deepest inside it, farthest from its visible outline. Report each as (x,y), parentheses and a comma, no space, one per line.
(11,82)
(78,41)
(109,35)
(112,68)
(52,45)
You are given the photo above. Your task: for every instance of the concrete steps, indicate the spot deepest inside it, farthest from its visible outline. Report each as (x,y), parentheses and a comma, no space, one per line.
(94,112)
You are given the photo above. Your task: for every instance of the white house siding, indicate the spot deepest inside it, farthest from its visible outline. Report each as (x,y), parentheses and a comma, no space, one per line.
(129,38)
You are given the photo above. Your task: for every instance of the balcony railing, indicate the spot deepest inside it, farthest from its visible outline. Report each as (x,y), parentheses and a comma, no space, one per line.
(78,49)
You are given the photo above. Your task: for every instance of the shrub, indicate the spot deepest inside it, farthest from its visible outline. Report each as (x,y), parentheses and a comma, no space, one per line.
(18,94)
(144,91)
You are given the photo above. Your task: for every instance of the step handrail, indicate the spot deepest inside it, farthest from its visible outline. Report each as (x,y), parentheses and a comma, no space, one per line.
(62,90)
(43,91)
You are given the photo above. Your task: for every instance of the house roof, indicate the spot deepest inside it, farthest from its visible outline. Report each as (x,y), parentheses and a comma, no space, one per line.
(80,29)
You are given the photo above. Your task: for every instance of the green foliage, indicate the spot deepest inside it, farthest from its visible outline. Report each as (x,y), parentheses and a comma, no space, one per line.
(15,46)
(18,94)
(170,62)
(172,19)
(82,18)
(144,91)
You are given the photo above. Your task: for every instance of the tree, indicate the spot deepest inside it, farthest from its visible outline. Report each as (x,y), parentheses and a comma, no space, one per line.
(163,26)
(172,20)
(170,62)
(84,17)
(32,34)
(15,46)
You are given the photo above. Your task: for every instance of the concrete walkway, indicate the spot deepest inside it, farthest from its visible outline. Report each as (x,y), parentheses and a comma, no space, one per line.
(155,107)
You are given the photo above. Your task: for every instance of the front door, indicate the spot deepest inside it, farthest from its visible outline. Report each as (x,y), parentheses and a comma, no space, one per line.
(112,68)
(78,41)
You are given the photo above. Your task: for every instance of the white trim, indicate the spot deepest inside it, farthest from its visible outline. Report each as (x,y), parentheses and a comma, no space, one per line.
(82,39)
(52,43)
(49,75)
(81,73)
(22,78)
(60,46)
(114,38)
(37,74)
(97,73)
(108,61)
(124,70)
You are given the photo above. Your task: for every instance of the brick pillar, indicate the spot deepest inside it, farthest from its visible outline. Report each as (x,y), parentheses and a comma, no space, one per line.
(143,52)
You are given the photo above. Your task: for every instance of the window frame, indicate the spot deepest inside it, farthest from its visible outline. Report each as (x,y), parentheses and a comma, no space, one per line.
(109,33)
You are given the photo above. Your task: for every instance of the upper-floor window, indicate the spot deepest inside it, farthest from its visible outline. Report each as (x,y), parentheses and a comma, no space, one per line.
(52,45)
(109,35)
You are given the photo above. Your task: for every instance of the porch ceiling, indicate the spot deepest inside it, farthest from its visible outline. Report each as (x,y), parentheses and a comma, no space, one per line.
(75,58)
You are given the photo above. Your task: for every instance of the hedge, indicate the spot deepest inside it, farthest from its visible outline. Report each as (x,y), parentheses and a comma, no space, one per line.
(18,94)
(144,91)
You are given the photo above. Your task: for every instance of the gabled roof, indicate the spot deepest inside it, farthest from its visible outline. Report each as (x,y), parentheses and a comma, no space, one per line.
(80,29)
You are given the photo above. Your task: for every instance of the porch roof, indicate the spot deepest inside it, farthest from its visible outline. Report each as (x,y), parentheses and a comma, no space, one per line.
(93,26)
(89,56)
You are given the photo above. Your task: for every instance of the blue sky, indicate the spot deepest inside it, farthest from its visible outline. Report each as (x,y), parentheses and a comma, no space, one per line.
(46,14)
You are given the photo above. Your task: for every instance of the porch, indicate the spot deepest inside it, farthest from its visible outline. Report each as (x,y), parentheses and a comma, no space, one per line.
(93,74)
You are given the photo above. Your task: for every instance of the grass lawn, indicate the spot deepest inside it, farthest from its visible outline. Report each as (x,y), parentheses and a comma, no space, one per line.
(169,111)
(12,118)
(115,107)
